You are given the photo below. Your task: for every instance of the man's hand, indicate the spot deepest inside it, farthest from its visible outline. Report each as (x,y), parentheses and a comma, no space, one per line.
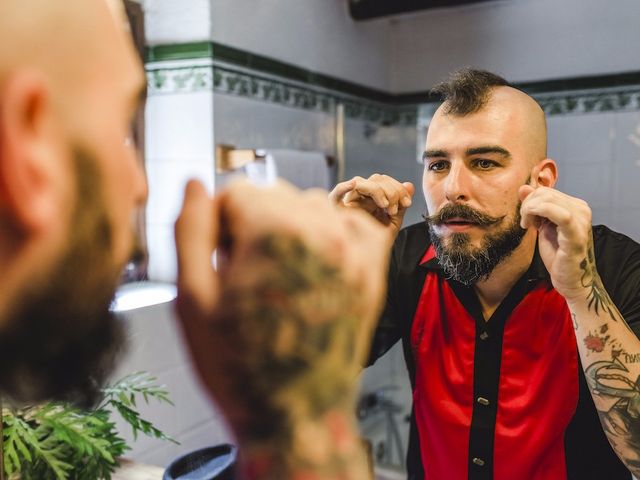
(380,195)
(280,331)
(564,237)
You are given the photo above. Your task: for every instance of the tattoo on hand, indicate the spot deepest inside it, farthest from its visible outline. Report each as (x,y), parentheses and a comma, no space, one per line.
(286,332)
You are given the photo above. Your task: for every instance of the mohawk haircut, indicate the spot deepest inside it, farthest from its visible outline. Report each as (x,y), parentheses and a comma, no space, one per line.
(467,91)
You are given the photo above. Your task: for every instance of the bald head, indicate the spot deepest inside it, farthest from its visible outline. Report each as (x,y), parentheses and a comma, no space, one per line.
(68,42)
(507,106)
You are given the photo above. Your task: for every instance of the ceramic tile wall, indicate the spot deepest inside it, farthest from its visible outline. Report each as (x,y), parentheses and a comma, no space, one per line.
(316,35)
(522,40)
(598,157)
(155,346)
(247,123)
(179,147)
(390,150)
(169,22)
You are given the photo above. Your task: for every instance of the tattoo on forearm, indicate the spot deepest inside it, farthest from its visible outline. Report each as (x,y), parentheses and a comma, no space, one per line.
(597,340)
(598,297)
(617,399)
(286,388)
(631,357)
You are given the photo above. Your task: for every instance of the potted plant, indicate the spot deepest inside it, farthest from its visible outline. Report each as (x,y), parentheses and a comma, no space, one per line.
(60,442)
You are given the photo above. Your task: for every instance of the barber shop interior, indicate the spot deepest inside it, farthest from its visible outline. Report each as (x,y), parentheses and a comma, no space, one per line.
(485,154)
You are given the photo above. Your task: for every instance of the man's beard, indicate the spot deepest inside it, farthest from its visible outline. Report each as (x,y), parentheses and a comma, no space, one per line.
(459,259)
(61,341)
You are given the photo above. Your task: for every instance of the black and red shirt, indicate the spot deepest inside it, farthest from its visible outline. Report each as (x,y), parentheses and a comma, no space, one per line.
(503,398)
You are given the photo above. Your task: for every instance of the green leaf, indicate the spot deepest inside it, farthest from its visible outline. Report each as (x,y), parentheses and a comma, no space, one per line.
(59,442)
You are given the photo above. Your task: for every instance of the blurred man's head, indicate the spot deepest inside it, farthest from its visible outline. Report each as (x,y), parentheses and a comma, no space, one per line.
(485,141)
(69,184)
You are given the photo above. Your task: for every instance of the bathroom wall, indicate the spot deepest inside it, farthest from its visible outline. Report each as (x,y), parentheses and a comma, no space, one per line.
(525,40)
(155,347)
(318,36)
(599,160)
(169,22)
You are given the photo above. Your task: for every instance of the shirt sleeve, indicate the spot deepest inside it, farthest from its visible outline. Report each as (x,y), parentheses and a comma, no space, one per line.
(619,268)
(388,331)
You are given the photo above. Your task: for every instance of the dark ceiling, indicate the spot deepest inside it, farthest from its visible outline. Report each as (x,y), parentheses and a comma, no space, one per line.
(370,9)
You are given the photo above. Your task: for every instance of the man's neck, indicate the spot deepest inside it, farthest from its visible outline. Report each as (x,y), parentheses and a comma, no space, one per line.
(494,289)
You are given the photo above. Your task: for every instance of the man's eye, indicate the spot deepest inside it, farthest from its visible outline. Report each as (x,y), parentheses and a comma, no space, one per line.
(437,165)
(484,164)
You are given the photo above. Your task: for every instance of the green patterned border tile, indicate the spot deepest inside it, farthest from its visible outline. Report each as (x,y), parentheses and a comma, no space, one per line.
(262,64)
(243,83)
(241,73)
(595,101)
(187,79)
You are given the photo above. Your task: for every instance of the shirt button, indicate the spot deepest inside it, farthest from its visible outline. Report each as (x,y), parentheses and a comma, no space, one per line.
(484,336)
(482,401)
(478,461)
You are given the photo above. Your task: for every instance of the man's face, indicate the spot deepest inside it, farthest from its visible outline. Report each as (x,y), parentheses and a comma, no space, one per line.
(59,340)
(474,166)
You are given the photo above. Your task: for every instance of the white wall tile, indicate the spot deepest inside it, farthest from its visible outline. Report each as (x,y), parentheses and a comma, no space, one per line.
(168,21)
(193,405)
(589,182)
(179,127)
(523,40)
(160,456)
(247,123)
(157,347)
(316,35)
(167,180)
(162,255)
(152,336)
(391,151)
(213,432)
(627,161)
(580,139)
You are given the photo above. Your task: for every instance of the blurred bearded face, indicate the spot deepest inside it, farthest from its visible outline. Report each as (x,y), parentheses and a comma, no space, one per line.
(61,341)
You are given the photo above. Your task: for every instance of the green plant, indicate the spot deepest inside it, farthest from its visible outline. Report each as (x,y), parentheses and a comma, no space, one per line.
(57,441)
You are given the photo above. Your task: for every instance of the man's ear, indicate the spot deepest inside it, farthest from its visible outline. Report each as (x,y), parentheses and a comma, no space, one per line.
(545,173)
(28,152)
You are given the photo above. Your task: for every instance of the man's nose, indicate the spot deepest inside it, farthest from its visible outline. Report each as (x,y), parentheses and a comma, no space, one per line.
(456,183)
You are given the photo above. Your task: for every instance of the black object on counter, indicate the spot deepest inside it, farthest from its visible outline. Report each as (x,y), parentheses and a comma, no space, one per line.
(211,463)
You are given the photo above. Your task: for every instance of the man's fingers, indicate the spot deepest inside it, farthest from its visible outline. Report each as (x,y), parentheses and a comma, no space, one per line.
(525,191)
(406,200)
(336,195)
(196,233)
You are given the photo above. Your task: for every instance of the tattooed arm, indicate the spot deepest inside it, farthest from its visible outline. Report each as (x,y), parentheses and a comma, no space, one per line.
(279,333)
(609,349)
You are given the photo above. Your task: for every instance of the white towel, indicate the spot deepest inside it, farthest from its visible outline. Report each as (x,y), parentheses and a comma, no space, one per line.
(302,169)
(261,172)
